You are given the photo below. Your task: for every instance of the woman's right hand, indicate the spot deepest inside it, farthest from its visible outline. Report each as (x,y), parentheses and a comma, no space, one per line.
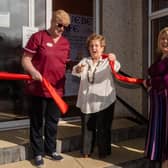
(79,68)
(36,75)
(26,62)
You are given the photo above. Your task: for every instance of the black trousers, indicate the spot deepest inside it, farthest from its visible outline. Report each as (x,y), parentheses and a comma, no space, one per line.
(44,117)
(97,127)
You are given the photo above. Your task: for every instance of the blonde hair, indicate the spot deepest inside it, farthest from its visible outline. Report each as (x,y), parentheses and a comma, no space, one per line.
(61,16)
(162,31)
(95,36)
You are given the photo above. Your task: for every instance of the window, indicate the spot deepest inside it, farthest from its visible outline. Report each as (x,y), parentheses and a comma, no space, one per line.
(157,25)
(158,18)
(159,4)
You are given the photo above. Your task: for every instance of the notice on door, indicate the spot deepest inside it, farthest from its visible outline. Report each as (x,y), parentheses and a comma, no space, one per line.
(4,19)
(26,33)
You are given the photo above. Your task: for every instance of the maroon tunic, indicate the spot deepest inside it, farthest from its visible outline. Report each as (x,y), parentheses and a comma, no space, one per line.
(50,60)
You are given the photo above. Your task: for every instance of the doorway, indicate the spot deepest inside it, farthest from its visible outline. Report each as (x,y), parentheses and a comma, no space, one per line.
(31,13)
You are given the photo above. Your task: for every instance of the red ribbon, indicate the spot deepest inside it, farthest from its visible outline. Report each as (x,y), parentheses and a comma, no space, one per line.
(58,100)
(121,77)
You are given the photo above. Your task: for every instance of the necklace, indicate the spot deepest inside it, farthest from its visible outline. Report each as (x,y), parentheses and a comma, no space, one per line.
(91,73)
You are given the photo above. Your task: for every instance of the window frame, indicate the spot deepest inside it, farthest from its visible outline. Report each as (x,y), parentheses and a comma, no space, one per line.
(152,16)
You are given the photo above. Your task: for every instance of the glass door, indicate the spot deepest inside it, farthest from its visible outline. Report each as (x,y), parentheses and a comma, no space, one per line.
(14,15)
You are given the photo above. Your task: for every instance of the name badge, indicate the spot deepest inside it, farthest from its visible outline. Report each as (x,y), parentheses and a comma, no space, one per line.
(49,44)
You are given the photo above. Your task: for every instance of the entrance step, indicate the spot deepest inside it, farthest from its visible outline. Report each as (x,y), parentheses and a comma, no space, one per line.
(14,144)
(125,154)
(122,129)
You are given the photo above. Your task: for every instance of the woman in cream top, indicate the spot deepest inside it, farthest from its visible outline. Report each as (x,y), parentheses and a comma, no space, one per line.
(96,97)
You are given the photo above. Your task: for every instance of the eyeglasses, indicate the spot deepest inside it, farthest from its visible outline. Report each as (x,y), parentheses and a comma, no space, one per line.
(59,25)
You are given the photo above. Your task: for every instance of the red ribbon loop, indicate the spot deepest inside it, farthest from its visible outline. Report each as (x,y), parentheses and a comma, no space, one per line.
(121,77)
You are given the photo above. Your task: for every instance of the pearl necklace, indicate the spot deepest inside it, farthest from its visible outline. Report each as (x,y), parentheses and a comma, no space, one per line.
(91,74)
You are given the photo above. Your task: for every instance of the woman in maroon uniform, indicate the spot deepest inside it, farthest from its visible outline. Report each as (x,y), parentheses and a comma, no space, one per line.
(46,55)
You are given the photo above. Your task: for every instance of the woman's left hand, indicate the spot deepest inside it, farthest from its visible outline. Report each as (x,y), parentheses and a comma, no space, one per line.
(111,56)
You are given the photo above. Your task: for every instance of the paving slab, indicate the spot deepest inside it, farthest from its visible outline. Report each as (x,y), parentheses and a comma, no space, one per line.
(121,153)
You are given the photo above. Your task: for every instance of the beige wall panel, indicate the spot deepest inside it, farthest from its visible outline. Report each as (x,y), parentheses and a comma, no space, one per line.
(122,27)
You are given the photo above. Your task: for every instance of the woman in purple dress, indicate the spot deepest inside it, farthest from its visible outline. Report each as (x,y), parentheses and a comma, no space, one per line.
(156,147)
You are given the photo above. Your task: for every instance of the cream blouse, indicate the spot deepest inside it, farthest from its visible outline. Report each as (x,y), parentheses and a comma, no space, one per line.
(96,90)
